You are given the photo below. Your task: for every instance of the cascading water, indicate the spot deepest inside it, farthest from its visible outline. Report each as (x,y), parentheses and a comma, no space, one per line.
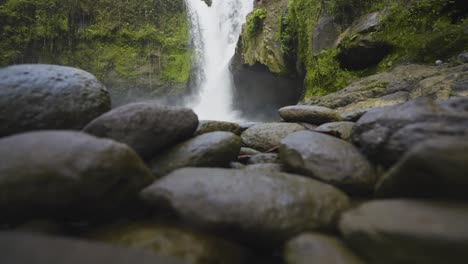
(215,31)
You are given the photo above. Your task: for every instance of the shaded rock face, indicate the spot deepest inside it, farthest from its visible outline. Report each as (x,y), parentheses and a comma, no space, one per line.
(264,158)
(316,115)
(172,241)
(207,126)
(265,206)
(385,134)
(363,54)
(436,167)
(259,93)
(325,34)
(403,83)
(267,136)
(316,248)
(406,231)
(32,249)
(215,149)
(38,97)
(328,159)
(147,127)
(60,173)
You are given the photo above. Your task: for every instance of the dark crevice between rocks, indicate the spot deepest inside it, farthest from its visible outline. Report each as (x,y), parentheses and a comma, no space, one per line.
(365,54)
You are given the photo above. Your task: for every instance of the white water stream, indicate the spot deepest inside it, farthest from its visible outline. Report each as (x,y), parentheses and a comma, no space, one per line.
(215,31)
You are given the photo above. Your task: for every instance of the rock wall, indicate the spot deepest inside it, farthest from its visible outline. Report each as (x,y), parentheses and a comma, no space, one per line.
(329,44)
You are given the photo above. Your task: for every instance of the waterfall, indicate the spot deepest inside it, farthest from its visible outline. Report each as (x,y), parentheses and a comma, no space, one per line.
(215,31)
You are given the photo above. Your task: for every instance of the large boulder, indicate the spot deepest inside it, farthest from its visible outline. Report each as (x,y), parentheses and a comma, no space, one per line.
(436,167)
(328,159)
(263,158)
(317,248)
(207,126)
(408,232)
(20,248)
(215,149)
(266,206)
(312,114)
(147,127)
(385,134)
(172,241)
(61,173)
(267,136)
(38,97)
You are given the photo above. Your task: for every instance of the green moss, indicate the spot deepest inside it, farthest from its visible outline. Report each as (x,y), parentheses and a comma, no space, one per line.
(254,21)
(121,42)
(420,31)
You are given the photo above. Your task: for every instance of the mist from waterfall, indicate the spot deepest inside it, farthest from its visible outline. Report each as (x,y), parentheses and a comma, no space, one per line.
(215,31)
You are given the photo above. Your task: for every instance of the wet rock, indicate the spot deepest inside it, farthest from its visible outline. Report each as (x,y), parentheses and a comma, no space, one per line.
(61,173)
(267,207)
(246,125)
(266,167)
(316,248)
(215,149)
(236,165)
(328,159)
(265,137)
(408,231)
(316,115)
(460,88)
(436,167)
(394,87)
(338,129)
(325,35)
(147,127)
(33,249)
(264,158)
(172,241)
(385,134)
(207,126)
(367,23)
(38,97)
(248,152)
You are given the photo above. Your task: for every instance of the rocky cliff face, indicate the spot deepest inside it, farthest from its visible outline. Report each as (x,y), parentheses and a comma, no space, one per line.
(135,47)
(329,44)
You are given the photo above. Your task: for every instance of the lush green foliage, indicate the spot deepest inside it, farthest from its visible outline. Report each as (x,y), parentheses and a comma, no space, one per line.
(419,31)
(255,20)
(113,39)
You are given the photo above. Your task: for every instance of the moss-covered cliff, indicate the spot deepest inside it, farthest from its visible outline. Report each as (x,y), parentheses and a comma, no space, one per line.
(130,45)
(338,41)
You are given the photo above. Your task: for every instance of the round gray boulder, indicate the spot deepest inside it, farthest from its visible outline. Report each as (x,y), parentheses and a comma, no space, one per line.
(267,136)
(206,126)
(147,127)
(408,231)
(18,247)
(328,159)
(433,168)
(317,248)
(38,97)
(266,205)
(386,133)
(172,241)
(60,173)
(215,149)
(311,114)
